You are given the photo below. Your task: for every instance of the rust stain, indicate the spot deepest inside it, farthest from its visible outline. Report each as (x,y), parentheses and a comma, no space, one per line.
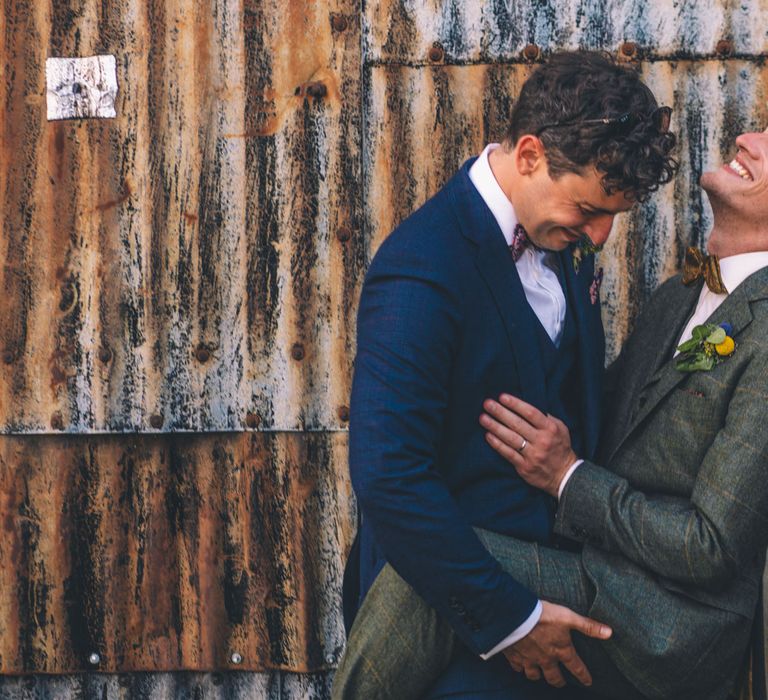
(112,203)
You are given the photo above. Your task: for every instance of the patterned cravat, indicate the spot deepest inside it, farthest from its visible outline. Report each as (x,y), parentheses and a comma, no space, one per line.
(698,264)
(520,242)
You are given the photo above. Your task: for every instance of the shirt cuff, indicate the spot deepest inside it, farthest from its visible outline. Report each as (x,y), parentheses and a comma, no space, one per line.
(567,476)
(518,634)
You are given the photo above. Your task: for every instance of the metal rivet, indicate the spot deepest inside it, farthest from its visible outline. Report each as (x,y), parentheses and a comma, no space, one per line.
(57,422)
(94,658)
(8,357)
(628,49)
(252,420)
(343,413)
(724,47)
(317,90)
(203,354)
(339,23)
(436,53)
(531,52)
(297,352)
(156,420)
(105,354)
(236,658)
(343,234)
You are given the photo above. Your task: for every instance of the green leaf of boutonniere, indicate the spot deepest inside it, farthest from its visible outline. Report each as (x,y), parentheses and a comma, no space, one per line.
(708,345)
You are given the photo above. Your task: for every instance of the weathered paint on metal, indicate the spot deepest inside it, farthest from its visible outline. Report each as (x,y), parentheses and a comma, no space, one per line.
(194,264)
(159,267)
(423,123)
(405,31)
(159,552)
(232,685)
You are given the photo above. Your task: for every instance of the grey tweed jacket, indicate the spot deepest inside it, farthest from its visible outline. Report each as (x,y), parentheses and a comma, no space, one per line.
(675,528)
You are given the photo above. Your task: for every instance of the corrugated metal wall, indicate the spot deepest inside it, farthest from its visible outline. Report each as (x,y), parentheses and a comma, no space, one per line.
(179,287)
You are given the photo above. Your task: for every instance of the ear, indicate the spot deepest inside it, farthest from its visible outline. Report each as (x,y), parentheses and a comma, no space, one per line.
(529,154)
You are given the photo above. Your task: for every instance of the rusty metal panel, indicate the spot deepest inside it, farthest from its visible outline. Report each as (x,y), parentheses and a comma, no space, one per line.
(422,123)
(192,264)
(165,553)
(459,31)
(234,685)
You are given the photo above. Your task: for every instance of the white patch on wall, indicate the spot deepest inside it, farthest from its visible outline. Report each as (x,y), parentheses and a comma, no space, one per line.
(78,88)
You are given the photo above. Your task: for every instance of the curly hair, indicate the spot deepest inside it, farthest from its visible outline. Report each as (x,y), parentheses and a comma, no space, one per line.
(576,86)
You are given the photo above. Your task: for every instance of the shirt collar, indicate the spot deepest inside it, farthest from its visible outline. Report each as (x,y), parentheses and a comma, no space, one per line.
(736,268)
(485,183)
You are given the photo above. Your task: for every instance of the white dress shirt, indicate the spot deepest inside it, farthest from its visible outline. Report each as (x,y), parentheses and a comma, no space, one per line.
(537,271)
(734,270)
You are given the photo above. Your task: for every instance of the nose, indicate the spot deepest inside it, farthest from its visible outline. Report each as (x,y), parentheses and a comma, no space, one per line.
(599,228)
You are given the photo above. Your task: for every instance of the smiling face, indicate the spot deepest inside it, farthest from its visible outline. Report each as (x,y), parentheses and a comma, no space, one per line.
(738,190)
(559,211)
(556,211)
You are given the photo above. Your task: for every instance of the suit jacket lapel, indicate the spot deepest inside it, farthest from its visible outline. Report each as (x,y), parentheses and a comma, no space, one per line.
(591,344)
(495,265)
(664,377)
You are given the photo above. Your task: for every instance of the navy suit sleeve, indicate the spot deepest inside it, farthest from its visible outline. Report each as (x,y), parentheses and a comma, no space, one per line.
(409,325)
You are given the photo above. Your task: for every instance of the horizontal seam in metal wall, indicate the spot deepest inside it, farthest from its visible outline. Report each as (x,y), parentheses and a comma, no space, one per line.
(63,433)
(379,63)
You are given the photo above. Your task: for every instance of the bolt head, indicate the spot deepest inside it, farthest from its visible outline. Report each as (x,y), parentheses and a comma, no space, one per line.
(339,23)
(531,52)
(436,53)
(343,233)
(94,659)
(203,354)
(297,352)
(105,354)
(236,658)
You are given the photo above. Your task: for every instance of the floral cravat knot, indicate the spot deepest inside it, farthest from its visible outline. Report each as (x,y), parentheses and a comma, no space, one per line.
(520,242)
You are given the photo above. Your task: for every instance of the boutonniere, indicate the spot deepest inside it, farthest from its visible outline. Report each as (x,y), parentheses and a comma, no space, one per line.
(594,288)
(708,345)
(582,248)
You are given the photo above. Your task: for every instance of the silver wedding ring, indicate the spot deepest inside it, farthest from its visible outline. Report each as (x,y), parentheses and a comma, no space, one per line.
(522,447)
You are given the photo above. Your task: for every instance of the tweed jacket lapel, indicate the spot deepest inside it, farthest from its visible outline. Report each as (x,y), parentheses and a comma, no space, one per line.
(496,267)
(663,377)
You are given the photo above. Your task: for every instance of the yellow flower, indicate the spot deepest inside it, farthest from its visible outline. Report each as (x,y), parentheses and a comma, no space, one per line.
(726,347)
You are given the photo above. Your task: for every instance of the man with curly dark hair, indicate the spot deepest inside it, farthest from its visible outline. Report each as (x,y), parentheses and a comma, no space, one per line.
(490,287)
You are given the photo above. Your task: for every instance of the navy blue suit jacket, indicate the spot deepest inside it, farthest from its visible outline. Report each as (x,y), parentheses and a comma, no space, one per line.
(443,324)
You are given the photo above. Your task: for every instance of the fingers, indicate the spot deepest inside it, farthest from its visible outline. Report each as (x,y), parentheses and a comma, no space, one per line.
(532,672)
(506,435)
(525,410)
(512,455)
(572,661)
(590,627)
(553,676)
(515,660)
(509,419)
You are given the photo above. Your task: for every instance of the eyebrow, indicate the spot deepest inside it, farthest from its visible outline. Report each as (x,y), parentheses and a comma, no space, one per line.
(595,210)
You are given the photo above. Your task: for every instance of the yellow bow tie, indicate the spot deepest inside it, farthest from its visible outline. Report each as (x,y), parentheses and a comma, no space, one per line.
(697,264)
